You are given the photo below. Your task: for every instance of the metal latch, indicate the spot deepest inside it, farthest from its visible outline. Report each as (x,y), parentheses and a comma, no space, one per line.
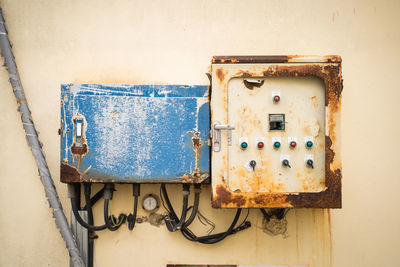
(78,132)
(216,135)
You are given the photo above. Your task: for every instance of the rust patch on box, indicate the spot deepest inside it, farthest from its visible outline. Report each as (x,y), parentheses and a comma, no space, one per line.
(331,197)
(197,144)
(228,199)
(220,74)
(79,151)
(194,178)
(69,174)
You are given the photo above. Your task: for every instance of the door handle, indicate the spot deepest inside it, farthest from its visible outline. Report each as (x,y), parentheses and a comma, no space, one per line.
(216,135)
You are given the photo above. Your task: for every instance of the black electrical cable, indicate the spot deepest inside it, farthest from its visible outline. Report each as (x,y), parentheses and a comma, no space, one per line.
(88,207)
(186,192)
(107,195)
(171,211)
(106,219)
(82,222)
(77,188)
(96,197)
(121,220)
(132,217)
(195,207)
(211,239)
(174,223)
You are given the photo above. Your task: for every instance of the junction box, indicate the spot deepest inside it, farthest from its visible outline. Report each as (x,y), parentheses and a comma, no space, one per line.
(275,126)
(268,131)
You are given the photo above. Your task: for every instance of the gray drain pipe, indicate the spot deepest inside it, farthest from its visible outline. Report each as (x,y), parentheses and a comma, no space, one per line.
(34,143)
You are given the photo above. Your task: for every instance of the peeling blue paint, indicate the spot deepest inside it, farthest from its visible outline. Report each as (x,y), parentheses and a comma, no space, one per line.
(137,133)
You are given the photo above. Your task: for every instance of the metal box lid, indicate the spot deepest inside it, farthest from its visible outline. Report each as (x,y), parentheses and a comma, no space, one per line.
(134,133)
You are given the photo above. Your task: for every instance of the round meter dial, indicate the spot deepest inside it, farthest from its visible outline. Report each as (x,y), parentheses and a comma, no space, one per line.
(150,202)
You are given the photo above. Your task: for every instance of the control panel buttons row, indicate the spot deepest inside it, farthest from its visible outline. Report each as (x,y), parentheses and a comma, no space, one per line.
(276,143)
(285,163)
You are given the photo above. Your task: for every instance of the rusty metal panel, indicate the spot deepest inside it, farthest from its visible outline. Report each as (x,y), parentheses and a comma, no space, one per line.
(134,133)
(308,109)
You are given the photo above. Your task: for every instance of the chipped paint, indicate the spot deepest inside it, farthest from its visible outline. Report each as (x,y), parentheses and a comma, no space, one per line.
(137,133)
(328,69)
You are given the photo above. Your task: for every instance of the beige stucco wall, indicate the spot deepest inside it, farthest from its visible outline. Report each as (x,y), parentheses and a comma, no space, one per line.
(172,42)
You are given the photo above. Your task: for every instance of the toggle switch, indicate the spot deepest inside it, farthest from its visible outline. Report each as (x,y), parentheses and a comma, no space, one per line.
(285,163)
(253,164)
(78,132)
(310,163)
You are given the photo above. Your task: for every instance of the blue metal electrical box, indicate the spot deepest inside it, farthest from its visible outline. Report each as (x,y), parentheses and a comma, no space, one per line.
(134,133)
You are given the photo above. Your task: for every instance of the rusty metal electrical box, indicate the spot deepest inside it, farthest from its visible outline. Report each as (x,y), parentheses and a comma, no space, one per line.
(134,133)
(275,128)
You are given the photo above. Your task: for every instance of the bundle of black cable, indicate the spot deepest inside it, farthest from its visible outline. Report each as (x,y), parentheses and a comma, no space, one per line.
(174,223)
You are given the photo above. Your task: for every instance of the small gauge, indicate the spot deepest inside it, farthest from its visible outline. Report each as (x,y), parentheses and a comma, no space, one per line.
(150,202)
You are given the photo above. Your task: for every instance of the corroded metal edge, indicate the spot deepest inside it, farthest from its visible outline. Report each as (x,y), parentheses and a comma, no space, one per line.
(276,59)
(331,74)
(69,174)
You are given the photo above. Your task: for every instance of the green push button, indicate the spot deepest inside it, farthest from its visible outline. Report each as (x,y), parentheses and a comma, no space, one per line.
(243,145)
(277,145)
(309,144)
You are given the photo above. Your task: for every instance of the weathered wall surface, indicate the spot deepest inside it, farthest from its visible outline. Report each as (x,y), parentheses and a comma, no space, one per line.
(172,42)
